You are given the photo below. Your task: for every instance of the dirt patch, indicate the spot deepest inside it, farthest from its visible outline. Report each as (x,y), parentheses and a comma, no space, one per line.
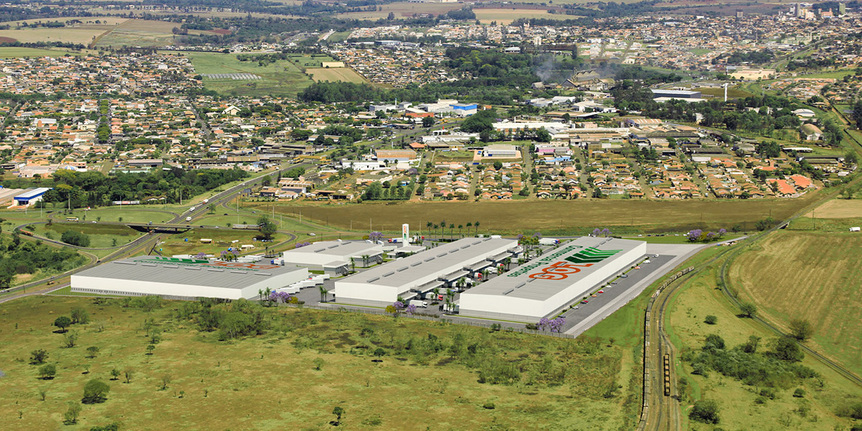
(4,39)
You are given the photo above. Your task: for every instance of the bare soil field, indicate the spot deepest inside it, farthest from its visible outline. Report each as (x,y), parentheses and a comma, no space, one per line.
(838,208)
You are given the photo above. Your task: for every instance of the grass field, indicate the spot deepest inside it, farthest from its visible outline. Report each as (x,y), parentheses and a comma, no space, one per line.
(101,236)
(338,74)
(812,276)
(273,381)
(279,78)
(738,409)
(554,217)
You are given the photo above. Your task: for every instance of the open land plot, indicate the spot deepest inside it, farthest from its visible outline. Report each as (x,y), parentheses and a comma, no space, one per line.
(16,52)
(139,32)
(813,276)
(82,35)
(335,74)
(190,242)
(838,208)
(278,78)
(739,408)
(506,16)
(324,355)
(732,93)
(558,217)
(403,9)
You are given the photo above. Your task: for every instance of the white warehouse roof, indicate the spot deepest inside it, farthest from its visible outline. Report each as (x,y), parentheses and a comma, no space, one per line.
(331,253)
(185,278)
(544,285)
(385,282)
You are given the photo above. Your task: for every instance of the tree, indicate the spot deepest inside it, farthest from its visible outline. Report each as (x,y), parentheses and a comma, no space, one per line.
(427,121)
(47,372)
(80,315)
(95,391)
(165,380)
(498,165)
(801,329)
(338,411)
(267,227)
(786,349)
(70,340)
(115,374)
(71,415)
(705,411)
(318,363)
(62,322)
(711,320)
(748,309)
(323,293)
(75,238)
(38,357)
(857,113)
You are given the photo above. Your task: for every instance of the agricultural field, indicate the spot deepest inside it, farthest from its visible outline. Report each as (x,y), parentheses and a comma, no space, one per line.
(279,78)
(742,405)
(555,217)
(324,359)
(813,276)
(138,32)
(337,74)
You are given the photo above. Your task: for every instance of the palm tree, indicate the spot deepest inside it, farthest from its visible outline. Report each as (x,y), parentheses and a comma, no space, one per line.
(476,225)
(428,225)
(435,226)
(460,283)
(353,264)
(469,225)
(451,228)
(460,228)
(323,293)
(442,228)
(507,261)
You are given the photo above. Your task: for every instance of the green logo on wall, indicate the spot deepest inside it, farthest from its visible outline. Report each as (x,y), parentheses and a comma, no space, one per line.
(591,255)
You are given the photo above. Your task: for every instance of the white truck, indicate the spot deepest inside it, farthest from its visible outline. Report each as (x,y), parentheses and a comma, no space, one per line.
(418,303)
(188,219)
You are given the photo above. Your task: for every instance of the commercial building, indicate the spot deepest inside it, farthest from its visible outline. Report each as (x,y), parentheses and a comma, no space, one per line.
(31,196)
(334,257)
(544,286)
(179,278)
(422,272)
(501,151)
(676,94)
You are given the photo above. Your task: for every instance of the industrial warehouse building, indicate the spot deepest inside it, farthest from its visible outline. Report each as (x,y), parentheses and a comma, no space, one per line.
(334,257)
(422,272)
(544,286)
(179,278)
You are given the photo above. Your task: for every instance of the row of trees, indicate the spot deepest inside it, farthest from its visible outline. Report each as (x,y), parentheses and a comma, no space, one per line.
(92,188)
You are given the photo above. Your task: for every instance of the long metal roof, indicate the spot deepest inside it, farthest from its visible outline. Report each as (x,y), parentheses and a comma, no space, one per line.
(194,272)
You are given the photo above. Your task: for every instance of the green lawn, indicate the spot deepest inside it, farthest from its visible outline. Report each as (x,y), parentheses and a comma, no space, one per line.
(14,51)
(279,78)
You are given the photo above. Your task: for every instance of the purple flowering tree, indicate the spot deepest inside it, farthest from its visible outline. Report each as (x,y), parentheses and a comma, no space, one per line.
(606,232)
(596,232)
(711,236)
(375,236)
(302,244)
(557,324)
(721,232)
(201,255)
(398,305)
(543,324)
(279,297)
(694,235)
(411,309)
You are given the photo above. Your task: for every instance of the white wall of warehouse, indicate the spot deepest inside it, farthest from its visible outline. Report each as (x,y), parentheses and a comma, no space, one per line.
(139,287)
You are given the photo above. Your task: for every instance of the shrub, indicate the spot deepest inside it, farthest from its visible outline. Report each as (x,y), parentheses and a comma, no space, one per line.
(47,372)
(38,357)
(711,320)
(75,238)
(71,415)
(705,411)
(489,406)
(799,393)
